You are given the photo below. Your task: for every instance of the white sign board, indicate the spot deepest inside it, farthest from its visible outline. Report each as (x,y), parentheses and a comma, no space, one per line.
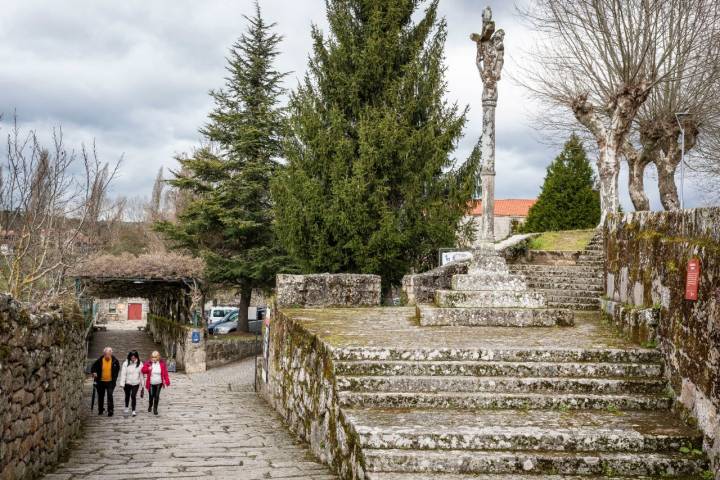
(454,256)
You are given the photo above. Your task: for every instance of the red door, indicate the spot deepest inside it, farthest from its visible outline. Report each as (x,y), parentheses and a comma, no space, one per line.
(135,311)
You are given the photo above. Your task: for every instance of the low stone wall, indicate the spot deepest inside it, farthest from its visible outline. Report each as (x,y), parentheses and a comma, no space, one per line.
(223,349)
(301,387)
(41,376)
(177,340)
(419,288)
(647,255)
(328,290)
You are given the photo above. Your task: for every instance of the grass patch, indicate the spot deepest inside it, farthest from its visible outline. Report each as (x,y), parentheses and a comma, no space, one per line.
(568,240)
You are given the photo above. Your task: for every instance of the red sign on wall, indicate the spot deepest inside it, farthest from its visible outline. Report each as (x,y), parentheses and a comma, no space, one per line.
(692,279)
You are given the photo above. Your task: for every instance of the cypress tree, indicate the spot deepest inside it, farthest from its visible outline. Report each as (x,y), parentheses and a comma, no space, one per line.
(568,199)
(370,186)
(228,217)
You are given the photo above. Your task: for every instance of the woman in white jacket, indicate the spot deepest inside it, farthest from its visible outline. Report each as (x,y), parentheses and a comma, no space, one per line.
(130,379)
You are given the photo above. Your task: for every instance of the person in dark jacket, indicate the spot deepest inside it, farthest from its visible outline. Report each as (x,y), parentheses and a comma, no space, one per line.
(105,372)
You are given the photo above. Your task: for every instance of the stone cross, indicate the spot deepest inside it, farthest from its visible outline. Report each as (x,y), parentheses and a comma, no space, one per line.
(489,61)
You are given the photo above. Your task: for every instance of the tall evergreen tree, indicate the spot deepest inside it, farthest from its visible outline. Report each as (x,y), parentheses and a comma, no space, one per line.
(369,186)
(568,199)
(228,219)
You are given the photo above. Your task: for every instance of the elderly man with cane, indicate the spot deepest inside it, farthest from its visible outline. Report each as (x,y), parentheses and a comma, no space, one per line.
(105,372)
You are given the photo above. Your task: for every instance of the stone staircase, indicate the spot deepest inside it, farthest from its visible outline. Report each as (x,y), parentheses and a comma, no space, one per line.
(536,413)
(574,287)
(491,295)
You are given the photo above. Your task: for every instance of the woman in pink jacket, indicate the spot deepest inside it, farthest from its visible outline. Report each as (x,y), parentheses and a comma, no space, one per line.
(156,376)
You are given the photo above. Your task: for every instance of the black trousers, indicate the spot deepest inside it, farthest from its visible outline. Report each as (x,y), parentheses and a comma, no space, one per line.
(102,388)
(154,397)
(131,394)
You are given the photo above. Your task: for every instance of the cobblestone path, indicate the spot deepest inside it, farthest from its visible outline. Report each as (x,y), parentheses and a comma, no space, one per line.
(211,425)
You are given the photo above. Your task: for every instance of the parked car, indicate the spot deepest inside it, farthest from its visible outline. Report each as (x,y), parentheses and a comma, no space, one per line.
(230,324)
(226,327)
(211,325)
(218,313)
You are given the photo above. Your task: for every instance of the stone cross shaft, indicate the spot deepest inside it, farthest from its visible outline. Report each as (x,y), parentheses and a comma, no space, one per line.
(489,61)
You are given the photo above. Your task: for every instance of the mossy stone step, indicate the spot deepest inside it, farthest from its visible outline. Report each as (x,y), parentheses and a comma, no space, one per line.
(494,281)
(529,354)
(502,476)
(602,464)
(437,384)
(505,401)
(515,369)
(493,317)
(488,299)
(535,430)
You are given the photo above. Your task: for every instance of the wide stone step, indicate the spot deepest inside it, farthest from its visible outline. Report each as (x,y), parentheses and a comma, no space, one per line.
(537,354)
(529,267)
(476,281)
(505,401)
(437,384)
(543,430)
(556,293)
(494,317)
(495,369)
(580,307)
(567,285)
(502,476)
(594,278)
(604,464)
(489,299)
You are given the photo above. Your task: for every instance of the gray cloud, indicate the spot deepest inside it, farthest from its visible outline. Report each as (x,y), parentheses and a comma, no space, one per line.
(134,76)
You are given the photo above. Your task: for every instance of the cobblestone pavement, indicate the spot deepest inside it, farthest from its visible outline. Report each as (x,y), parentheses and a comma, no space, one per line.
(211,425)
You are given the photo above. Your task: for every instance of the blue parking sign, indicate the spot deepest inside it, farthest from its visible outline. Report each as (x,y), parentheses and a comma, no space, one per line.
(195,336)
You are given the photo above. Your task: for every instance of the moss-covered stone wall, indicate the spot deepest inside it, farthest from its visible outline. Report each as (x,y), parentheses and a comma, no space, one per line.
(42,355)
(647,257)
(223,349)
(177,342)
(301,387)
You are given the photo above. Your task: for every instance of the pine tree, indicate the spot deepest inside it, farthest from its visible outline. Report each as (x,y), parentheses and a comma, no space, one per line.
(369,185)
(568,199)
(228,219)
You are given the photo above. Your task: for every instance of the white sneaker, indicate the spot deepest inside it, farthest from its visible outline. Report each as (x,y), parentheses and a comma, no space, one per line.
(126,411)
(133,413)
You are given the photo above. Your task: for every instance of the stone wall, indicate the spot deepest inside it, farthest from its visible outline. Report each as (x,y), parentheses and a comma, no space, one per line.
(647,256)
(419,288)
(328,290)
(177,342)
(41,375)
(222,349)
(301,387)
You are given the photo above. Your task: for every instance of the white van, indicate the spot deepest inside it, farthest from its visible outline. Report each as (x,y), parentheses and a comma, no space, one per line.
(218,313)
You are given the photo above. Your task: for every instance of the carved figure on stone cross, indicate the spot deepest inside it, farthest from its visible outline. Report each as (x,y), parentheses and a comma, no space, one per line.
(490,55)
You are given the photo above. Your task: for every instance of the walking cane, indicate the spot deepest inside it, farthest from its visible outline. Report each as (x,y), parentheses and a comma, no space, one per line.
(92,402)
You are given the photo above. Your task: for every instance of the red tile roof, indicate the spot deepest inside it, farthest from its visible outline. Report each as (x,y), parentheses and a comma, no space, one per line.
(508,207)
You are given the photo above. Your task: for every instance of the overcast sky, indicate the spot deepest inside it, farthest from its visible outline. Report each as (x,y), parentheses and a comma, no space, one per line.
(134,76)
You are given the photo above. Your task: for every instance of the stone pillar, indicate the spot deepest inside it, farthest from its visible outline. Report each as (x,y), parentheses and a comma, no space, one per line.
(489,61)
(193,351)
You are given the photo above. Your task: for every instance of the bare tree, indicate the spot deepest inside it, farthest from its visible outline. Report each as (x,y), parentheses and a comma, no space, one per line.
(691,90)
(601,59)
(53,202)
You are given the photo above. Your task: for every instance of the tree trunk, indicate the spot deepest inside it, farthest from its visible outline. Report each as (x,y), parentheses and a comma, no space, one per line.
(637,163)
(243,323)
(608,179)
(666,183)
